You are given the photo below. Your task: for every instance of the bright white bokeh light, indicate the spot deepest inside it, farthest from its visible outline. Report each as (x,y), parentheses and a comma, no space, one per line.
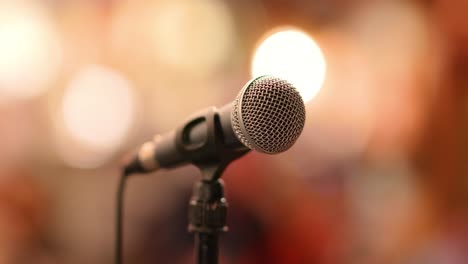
(98,107)
(293,56)
(30,51)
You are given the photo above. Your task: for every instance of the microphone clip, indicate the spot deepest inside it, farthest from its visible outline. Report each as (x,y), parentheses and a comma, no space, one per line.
(210,153)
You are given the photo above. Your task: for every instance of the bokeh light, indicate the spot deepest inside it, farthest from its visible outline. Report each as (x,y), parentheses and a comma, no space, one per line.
(30,50)
(193,34)
(399,67)
(401,21)
(193,37)
(98,109)
(344,111)
(294,56)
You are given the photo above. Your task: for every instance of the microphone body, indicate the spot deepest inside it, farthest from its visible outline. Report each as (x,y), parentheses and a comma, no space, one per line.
(172,149)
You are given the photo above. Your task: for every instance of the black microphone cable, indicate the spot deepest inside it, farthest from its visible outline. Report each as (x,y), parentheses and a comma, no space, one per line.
(119,217)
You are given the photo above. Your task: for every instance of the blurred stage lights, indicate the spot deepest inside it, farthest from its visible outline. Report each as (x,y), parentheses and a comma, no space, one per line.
(294,56)
(194,36)
(98,110)
(30,51)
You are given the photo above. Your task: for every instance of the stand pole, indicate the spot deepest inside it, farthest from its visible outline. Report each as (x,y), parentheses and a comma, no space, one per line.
(207,218)
(207,248)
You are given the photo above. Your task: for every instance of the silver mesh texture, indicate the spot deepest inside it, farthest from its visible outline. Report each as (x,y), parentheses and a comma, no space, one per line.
(268,115)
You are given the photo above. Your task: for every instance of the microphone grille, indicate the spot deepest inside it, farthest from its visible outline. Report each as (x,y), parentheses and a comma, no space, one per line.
(268,115)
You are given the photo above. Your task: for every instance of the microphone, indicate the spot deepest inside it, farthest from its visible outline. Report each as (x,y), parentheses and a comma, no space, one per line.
(267,116)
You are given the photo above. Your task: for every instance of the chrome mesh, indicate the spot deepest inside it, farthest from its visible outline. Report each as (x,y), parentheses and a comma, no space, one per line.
(271,115)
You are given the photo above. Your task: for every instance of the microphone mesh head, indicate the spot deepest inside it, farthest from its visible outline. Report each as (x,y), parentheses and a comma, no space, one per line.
(268,115)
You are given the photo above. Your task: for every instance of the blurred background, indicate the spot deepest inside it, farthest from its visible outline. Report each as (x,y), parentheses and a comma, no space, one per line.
(379,175)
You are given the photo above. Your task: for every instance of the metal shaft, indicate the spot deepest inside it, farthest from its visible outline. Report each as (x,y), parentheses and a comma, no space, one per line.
(207,248)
